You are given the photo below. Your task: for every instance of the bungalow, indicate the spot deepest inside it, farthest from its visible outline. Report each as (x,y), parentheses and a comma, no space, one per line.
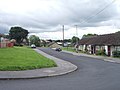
(5,42)
(107,42)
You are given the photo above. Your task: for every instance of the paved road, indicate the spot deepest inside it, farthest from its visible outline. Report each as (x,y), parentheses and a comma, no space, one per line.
(92,74)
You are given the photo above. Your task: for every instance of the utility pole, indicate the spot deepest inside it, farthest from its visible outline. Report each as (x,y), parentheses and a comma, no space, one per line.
(76,39)
(63,35)
(76,34)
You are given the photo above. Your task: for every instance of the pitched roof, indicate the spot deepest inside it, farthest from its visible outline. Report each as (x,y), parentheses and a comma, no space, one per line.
(54,45)
(106,39)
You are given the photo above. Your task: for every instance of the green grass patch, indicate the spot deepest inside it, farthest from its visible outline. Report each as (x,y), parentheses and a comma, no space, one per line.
(22,58)
(71,49)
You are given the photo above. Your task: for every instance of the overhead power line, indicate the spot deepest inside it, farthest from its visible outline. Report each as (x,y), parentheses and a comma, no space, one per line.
(92,16)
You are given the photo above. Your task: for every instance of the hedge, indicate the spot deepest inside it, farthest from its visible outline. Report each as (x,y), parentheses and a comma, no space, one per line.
(116,54)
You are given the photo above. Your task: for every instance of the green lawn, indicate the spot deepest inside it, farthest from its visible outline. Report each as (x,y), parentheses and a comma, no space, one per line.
(22,58)
(71,49)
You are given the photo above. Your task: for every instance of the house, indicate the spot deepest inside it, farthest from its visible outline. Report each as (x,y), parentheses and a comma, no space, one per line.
(60,43)
(54,45)
(5,42)
(106,42)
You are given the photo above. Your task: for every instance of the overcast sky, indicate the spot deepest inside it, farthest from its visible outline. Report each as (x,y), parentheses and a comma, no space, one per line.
(45,18)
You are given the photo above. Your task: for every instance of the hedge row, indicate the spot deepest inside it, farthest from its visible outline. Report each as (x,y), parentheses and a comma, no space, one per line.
(116,54)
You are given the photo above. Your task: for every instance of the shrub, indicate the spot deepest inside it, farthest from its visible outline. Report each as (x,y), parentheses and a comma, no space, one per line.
(18,45)
(101,52)
(116,54)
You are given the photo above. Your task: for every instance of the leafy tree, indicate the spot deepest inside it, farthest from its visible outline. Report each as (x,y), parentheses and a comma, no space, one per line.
(67,40)
(18,33)
(50,40)
(44,43)
(75,40)
(34,40)
(89,35)
(58,40)
(6,36)
(117,32)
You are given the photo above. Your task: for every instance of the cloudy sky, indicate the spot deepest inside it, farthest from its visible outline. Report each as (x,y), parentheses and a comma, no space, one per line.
(45,18)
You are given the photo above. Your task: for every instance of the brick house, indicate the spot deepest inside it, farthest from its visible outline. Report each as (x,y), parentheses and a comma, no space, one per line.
(106,42)
(5,42)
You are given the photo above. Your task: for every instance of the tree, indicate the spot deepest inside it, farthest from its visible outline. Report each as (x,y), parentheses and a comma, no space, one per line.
(67,40)
(18,33)
(6,36)
(117,32)
(34,40)
(75,40)
(44,43)
(89,35)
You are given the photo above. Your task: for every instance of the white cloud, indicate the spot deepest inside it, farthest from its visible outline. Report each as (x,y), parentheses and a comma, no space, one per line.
(46,17)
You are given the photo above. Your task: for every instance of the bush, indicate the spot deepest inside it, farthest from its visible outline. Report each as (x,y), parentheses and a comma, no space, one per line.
(116,54)
(18,45)
(101,52)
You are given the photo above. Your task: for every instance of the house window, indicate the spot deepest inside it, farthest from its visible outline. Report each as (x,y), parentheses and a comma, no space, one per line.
(117,48)
(100,47)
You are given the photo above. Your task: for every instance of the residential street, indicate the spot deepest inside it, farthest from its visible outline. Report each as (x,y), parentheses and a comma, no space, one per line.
(92,74)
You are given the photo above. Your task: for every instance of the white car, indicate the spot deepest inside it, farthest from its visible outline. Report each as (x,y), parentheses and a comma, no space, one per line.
(33,46)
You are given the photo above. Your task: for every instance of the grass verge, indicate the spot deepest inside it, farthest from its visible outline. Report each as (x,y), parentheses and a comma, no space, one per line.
(22,58)
(71,49)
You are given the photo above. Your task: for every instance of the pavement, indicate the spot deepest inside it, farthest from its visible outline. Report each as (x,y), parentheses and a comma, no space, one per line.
(63,67)
(105,58)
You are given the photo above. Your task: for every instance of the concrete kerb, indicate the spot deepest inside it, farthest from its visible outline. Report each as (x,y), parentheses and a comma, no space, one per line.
(63,67)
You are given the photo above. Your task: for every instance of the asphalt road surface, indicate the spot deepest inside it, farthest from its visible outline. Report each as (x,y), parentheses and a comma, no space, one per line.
(92,74)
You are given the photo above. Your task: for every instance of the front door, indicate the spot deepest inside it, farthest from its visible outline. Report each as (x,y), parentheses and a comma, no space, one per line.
(109,51)
(92,49)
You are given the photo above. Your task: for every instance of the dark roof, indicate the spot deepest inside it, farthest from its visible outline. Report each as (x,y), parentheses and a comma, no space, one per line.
(106,39)
(51,43)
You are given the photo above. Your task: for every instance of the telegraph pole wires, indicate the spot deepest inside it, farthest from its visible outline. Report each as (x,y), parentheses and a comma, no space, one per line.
(63,34)
(77,40)
(76,34)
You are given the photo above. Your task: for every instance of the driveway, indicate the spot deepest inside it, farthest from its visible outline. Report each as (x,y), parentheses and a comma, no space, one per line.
(92,74)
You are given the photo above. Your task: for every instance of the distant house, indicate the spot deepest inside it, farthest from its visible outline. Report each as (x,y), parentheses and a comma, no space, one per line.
(5,42)
(106,42)
(60,43)
(54,45)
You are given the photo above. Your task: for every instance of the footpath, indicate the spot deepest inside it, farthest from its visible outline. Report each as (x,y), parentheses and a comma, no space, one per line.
(63,67)
(105,58)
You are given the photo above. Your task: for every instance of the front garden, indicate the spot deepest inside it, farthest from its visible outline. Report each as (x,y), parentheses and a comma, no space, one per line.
(71,49)
(22,58)
(115,54)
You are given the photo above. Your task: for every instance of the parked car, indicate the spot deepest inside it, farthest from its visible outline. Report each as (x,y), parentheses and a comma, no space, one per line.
(58,49)
(33,46)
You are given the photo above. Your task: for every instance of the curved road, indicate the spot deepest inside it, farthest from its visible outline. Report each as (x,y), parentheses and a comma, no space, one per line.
(92,74)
